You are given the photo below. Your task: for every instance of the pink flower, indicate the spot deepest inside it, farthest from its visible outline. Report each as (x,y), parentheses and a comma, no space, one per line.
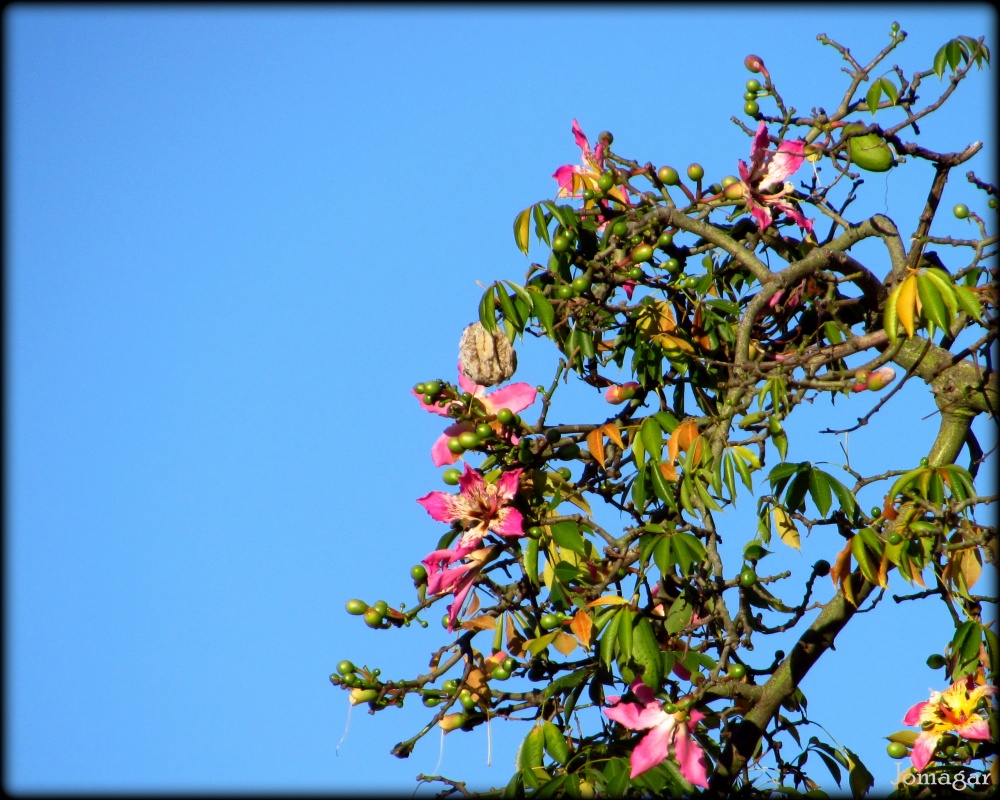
(516,397)
(764,182)
(573,179)
(443,577)
(483,507)
(664,729)
(954,709)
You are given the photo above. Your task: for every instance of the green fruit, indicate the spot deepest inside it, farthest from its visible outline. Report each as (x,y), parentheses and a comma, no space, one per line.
(356,607)
(670,708)
(433,388)
(381,607)
(484,431)
(580,285)
(534,532)
(419,388)
(961,211)
(605,181)
(729,180)
(455,446)
(750,96)
(636,240)
(992,202)
(869,152)
(822,568)
(641,253)
(509,664)
(588,194)
(669,176)
(876,512)
(450,685)
(737,671)
(696,172)
(431,700)
(568,451)
(671,265)
(345,667)
(451,476)
(635,273)
(466,699)
(564,473)
(372,618)
(418,573)
(428,399)
(565,292)
(549,621)
(896,750)
(748,577)
(500,674)
(923,462)
(620,228)
(665,240)
(560,244)
(468,439)
(505,416)
(552,436)
(895,538)
(751,108)
(936,661)
(605,138)
(753,85)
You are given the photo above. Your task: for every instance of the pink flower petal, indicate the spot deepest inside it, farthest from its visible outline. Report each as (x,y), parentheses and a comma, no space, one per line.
(471,482)
(516,397)
(440,454)
(923,750)
(690,757)
(509,484)
(512,524)
(439,505)
(977,729)
(643,693)
(629,287)
(653,748)
(913,715)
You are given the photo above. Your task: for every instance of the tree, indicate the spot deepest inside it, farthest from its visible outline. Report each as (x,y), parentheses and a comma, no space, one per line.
(708,315)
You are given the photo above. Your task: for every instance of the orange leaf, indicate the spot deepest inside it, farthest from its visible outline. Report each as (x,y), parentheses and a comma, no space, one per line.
(483,622)
(612,432)
(668,470)
(608,600)
(582,625)
(888,510)
(841,565)
(595,444)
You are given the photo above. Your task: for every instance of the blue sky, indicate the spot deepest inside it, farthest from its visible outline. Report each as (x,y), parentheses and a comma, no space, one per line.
(236,237)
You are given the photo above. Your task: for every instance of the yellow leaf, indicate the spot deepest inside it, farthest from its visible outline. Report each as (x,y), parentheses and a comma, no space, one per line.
(841,565)
(521,226)
(612,432)
(565,643)
(906,304)
(608,600)
(787,531)
(483,622)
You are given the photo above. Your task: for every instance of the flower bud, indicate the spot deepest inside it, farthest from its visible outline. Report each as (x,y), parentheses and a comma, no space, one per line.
(450,722)
(619,394)
(359,695)
(755,64)
(880,378)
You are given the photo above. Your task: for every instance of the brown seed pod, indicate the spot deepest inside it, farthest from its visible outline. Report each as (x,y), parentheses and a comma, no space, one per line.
(486,358)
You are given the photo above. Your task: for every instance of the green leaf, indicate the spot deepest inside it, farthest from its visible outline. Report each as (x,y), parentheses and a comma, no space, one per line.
(566,534)
(933,307)
(661,486)
(625,634)
(860,779)
(541,225)
(889,88)
(487,310)
(795,497)
(609,641)
(509,311)
(848,503)
(819,491)
(652,438)
(530,753)
(969,302)
(542,309)
(646,652)
(555,743)
(940,60)
(873,96)
(688,549)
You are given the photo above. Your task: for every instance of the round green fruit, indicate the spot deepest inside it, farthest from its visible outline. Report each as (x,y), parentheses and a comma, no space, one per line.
(641,253)
(588,194)
(467,700)
(345,667)
(451,475)
(635,273)
(549,621)
(580,285)
(696,172)
(936,661)
(747,577)
(455,446)
(605,181)
(356,607)
(372,618)
(869,152)
(484,431)
(419,388)
(729,180)
(749,96)
(450,685)
(418,573)
(381,607)
(669,176)
(565,292)
(568,451)
(468,439)
(431,700)
(433,388)
(671,265)
(509,664)
(751,108)
(737,671)
(535,532)
(753,85)
(505,416)
(620,228)
(961,211)
(895,538)
(665,240)
(500,674)
(896,750)
(565,473)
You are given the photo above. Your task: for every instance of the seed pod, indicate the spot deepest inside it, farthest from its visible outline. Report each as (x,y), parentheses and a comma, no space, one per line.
(486,358)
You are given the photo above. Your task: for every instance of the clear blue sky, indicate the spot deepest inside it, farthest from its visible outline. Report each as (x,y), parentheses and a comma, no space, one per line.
(236,237)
